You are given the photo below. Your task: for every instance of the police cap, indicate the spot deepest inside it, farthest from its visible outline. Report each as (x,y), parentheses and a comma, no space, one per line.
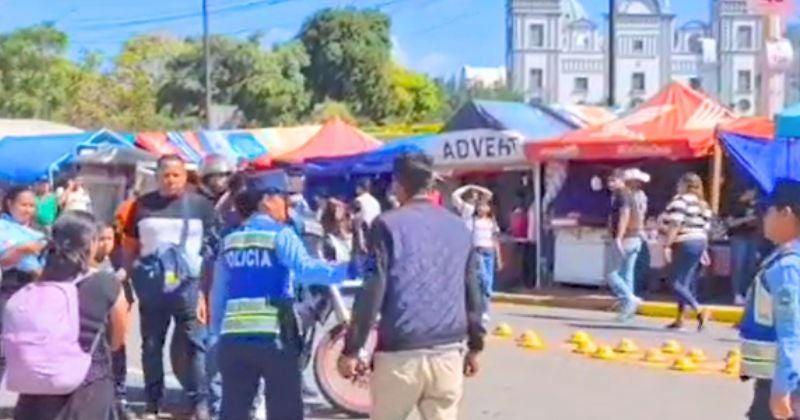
(270,182)
(786,194)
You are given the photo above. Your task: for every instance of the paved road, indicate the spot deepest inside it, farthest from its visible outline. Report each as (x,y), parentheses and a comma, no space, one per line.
(555,384)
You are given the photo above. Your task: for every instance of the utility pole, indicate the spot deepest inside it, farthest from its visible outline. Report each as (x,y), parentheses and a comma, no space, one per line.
(207,65)
(612,65)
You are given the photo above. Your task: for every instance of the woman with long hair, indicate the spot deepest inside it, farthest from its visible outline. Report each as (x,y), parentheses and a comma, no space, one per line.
(335,221)
(102,311)
(688,219)
(484,240)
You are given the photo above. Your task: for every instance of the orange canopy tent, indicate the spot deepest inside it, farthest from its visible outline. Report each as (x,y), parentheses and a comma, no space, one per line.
(336,138)
(678,123)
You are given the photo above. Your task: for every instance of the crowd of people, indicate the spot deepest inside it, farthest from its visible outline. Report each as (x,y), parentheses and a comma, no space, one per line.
(225,263)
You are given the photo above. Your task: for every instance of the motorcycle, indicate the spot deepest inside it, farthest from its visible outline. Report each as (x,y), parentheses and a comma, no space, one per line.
(351,396)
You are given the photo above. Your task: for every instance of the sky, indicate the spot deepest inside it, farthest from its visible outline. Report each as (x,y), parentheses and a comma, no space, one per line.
(437,37)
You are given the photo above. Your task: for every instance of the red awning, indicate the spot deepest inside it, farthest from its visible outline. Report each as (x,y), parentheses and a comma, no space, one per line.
(758,127)
(677,123)
(336,138)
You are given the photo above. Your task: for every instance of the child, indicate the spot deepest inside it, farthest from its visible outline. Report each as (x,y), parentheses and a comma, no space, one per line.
(103,262)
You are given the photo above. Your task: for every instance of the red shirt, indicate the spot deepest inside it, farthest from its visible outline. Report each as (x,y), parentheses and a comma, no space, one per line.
(436,198)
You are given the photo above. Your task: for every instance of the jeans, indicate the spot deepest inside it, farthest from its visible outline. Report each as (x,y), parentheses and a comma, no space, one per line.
(487,261)
(244,364)
(684,271)
(119,371)
(621,278)
(188,349)
(744,256)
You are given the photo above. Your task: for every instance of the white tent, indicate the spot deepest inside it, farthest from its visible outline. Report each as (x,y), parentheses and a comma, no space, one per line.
(32,127)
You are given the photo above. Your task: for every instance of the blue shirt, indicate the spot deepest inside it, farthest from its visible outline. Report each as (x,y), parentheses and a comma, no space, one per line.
(783,281)
(291,253)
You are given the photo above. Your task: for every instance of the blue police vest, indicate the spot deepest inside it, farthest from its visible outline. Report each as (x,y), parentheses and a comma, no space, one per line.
(259,293)
(757,329)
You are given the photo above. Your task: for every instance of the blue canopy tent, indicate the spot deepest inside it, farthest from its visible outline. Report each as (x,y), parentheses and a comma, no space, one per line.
(764,160)
(533,121)
(375,162)
(27,159)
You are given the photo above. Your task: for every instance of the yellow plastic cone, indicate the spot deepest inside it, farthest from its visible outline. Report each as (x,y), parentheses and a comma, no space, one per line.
(604,353)
(530,340)
(503,330)
(733,354)
(671,347)
(684,364)
(579,337)
(654,356)
(697,355)
(586,347)
(626,346)
(732,366)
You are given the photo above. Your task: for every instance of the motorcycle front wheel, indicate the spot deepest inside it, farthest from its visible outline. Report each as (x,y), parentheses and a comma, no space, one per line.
(345,395)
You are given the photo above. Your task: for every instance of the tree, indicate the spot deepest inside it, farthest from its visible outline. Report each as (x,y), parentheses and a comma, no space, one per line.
(92,96)
(416,98)
(332,109)
(350,59)
(275,93)
(34,72)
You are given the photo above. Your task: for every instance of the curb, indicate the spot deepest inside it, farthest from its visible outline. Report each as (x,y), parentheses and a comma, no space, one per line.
(718,313)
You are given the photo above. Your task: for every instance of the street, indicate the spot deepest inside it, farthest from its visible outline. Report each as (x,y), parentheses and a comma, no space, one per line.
(517,383)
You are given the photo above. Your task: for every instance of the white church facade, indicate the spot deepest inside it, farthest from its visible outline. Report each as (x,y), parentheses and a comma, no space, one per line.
(556,54)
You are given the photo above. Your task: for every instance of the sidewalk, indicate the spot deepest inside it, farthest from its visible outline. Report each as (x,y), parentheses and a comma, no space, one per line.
(596,300)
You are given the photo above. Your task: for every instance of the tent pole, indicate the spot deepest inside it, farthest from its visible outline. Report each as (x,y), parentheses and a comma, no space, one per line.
(537,222)
(716,178)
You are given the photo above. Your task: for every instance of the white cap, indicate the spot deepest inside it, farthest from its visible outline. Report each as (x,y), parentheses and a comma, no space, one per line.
(635,174)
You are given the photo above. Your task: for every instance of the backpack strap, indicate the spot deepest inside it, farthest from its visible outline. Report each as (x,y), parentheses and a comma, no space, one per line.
(185,217)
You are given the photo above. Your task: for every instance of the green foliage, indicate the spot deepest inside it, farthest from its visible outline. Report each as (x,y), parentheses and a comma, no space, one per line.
(339,65)
(350,53)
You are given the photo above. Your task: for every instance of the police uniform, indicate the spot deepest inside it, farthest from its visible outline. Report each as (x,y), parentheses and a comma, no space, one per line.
(770,328)
(254,307)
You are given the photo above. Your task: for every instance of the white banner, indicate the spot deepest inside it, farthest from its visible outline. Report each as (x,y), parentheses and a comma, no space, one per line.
(477,148)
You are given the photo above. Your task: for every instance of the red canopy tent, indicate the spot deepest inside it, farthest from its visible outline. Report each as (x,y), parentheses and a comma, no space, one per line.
(336,138)
(678,123)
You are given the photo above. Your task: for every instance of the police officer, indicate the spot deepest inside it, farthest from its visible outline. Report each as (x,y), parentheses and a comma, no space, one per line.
(770,329)
(253,304)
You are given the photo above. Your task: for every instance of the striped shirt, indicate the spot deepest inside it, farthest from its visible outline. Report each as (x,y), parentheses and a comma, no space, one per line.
(691,215)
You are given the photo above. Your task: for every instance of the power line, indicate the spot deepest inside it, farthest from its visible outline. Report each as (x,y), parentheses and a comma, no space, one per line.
(244,7)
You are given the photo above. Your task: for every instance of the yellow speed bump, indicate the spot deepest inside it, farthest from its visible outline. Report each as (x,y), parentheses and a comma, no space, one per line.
(503,330)
(684,364)
(604,353)
(530,340)
(671,347)
(579,337)
(697,355)
(654,356)
(734,354)
(585,347)
(732,366)
(626,346)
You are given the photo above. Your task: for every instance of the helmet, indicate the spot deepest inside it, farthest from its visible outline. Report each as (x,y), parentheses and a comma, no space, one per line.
(216,165)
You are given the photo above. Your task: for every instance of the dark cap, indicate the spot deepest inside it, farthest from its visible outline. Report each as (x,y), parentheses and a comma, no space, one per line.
(785,194)
(272,182)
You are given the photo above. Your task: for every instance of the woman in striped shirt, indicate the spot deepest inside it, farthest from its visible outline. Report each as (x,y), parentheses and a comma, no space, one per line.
(688,219)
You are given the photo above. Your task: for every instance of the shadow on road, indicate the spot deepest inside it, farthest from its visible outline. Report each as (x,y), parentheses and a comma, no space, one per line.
(547,317)
(616,327)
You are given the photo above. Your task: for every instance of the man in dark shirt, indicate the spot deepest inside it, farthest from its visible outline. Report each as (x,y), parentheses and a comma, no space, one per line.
(422,280)
(744,236)
(161,220)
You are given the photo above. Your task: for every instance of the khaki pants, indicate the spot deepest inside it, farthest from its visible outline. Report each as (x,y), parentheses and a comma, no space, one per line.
(429,380)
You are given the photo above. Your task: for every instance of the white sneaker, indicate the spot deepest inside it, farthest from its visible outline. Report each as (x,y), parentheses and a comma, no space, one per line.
(739,300)
(485,318)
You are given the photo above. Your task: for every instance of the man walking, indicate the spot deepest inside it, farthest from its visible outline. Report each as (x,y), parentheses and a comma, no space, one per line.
(167,229)
(422,280)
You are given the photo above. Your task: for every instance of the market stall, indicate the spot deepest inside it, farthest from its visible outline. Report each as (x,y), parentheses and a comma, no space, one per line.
(678,124)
